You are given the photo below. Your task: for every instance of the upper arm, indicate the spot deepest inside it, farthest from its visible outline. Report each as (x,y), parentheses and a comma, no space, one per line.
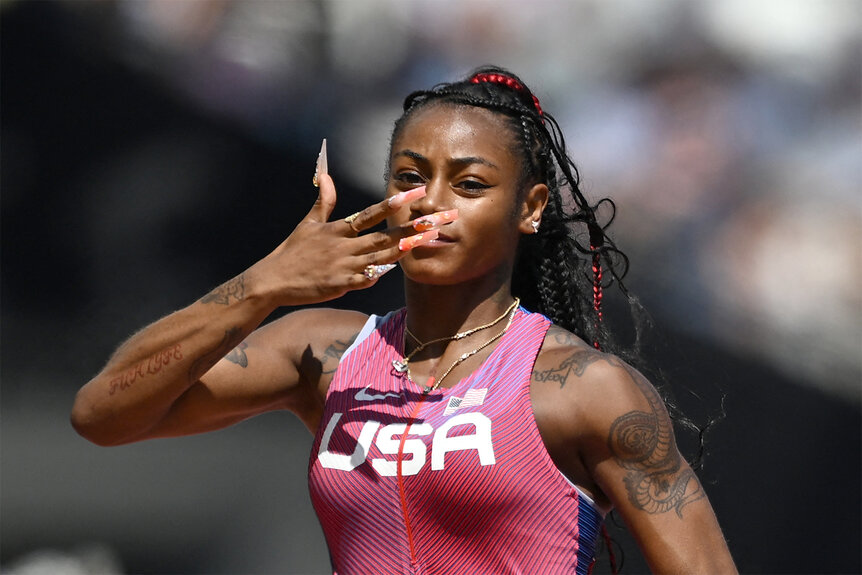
(635,459)
(609,421)
(286,364)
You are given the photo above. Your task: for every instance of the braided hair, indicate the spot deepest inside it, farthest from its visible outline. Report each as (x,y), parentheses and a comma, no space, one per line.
(562,270)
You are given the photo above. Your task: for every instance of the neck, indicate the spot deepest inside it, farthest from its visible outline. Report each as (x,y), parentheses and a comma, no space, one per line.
(435,311)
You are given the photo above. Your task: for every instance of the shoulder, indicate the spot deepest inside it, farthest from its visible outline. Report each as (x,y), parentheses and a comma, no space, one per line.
(568,361)
(583,391)
(314,340)
(592,408)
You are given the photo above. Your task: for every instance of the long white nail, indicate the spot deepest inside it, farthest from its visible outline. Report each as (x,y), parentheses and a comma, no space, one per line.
(322,165)
(374,272)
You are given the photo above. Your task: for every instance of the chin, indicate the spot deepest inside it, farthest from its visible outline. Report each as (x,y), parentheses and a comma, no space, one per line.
(428,277)
(441,273)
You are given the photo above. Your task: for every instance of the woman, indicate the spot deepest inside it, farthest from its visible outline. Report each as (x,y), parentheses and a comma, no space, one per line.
(462,434)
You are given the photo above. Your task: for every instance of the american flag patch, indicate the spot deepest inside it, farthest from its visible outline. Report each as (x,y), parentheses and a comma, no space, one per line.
(472,398)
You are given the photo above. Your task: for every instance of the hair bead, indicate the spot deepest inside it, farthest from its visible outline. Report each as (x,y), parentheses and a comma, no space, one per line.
(507,81)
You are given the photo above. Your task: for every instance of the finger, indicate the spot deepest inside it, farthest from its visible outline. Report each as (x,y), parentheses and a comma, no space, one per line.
(376,264)
(375,245)
(434,221)
(393,253)
(390,237)
(373,272)
(325,202)
(376,213)
(414,241)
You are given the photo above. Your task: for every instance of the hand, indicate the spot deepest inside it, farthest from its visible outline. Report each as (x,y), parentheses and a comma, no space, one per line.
(323,260)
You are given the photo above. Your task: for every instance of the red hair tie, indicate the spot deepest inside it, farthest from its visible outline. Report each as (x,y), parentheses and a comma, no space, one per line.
(506,81)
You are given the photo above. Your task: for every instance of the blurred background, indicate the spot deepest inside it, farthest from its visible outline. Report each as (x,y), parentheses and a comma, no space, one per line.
(153,149)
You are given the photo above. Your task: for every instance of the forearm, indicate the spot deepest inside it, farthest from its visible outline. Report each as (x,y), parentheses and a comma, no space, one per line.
(690,544)
(151,370)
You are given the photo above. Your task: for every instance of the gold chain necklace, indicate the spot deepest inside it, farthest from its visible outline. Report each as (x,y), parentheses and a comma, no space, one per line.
(426,389)
(401,365)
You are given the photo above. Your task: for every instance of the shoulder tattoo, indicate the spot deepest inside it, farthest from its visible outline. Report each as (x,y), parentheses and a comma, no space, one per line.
(332,354)
(643,443)
(574,363)
(238,355)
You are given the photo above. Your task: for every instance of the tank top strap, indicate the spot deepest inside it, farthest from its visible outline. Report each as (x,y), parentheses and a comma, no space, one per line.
(517,352)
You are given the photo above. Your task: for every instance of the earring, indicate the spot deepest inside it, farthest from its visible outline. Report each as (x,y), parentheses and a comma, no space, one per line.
(535,225)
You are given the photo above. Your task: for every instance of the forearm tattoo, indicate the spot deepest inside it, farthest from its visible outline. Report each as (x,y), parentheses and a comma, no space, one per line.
(203,364)
(150,366)
(232,290)
(643,443)
(332,355)
(238,355)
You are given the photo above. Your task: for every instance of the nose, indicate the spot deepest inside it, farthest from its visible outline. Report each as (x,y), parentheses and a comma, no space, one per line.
(435,200)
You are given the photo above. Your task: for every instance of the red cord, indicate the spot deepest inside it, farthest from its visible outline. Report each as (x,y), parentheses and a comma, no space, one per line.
(611,557)
(597,293)
(597,306)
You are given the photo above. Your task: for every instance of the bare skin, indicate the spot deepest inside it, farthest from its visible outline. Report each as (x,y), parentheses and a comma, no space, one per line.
(209,365)
(200,384)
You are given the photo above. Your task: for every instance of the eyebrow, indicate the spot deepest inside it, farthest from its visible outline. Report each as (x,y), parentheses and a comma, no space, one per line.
(460,161)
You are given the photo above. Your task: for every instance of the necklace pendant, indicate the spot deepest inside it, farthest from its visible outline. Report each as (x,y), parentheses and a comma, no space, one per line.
(426,390)
(399,366)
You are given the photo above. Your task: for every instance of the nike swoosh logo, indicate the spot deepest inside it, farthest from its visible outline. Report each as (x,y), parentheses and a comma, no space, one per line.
(363,395)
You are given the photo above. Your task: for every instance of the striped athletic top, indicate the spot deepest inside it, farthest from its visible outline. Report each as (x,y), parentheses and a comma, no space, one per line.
(457,481)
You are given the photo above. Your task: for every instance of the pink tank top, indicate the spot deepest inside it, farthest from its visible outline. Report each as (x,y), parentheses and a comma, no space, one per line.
(457,481)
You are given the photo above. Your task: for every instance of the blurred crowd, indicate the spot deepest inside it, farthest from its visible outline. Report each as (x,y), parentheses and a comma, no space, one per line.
(729,132)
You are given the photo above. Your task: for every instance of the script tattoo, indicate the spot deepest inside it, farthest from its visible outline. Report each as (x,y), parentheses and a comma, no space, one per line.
(644,444)
(238,355)
(332,355)
(222,295)
(575,363)
(149,366)
(202,364)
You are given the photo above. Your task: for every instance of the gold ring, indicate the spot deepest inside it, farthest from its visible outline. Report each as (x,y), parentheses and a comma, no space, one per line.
(350,219)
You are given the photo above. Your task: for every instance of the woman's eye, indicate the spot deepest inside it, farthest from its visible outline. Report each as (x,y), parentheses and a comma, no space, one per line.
(473,186)
(409,178)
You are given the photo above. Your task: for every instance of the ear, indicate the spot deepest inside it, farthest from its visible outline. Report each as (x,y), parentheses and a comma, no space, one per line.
(532,207)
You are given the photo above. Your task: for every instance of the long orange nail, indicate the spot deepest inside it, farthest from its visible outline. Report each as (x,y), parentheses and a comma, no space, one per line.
(404,198)
(434,220)
(407,244)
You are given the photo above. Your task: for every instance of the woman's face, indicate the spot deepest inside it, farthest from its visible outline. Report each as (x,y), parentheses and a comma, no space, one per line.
(463,155)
